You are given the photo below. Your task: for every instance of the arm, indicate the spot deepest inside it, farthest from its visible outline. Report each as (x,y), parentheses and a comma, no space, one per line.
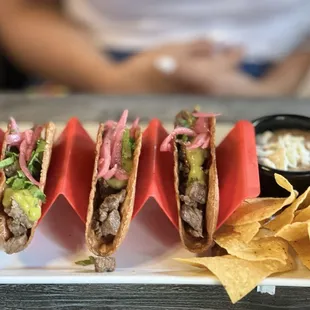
(285,78)
(40,40)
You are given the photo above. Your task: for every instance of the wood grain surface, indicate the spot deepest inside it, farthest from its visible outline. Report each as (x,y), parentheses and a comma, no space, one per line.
(90,108)
(93,296)
(176,297)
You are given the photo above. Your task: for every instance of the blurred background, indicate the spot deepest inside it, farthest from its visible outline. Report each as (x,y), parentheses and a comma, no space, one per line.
(228,48)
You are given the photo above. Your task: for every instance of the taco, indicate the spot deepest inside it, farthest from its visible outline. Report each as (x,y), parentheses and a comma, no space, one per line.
(25,159)
(113,189)
(196,183)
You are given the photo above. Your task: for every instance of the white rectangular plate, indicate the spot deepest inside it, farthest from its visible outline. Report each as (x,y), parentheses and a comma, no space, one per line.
(146,256)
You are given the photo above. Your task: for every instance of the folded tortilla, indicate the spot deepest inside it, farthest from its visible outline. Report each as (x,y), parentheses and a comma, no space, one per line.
(194,244)
(10,243)
(99,245)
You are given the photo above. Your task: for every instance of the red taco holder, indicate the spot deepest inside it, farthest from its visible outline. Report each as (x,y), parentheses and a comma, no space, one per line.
(155,174)
(71,168)
(237,169)
(236,163)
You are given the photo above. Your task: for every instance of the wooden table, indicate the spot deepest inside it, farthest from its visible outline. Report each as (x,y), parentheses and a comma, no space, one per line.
(98,108)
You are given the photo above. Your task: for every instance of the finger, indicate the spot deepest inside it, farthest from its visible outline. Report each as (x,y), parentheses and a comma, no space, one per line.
(192,74)
(231,57)
(184,49)
(201,48)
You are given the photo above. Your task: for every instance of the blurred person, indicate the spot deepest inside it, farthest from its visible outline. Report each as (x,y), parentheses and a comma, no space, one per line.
(223,47)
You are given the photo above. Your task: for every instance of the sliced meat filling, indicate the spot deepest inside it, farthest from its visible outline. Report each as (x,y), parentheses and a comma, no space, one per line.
(104,264)
(107,217)
(18,224)
(192,198)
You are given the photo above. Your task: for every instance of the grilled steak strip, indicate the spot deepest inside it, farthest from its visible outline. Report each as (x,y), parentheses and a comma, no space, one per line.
(192,197)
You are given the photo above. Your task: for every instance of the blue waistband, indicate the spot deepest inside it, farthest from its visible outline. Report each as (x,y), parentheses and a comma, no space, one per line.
(254,69)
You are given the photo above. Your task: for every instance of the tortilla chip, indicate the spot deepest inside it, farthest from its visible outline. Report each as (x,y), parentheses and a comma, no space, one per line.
(303,215)
(297,212)
(199,245)
(295,231)
(286,217)
(244,233)
(238,276)
(263,233)
(49,134)
(302,248)
(95,245)
(270,248)
(258,209)
(247,231)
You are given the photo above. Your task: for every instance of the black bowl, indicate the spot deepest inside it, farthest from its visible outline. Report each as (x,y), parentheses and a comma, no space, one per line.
(300,180)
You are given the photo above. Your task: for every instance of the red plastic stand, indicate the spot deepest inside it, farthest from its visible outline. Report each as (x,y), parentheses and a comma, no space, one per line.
(155,174)
(237,169)
(71,169)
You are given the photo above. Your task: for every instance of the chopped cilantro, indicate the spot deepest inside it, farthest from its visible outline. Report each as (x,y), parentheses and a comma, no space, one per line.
(19,181)
(11,154)
(132,143)
(37,193)
(185,119)
(36,158)
(184,122)
(86,262)
(184,138)
(7,162)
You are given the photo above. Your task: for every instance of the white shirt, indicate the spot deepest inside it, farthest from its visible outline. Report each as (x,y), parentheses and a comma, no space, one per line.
(267,29)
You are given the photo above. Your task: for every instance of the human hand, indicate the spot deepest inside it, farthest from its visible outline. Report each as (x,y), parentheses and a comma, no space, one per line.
(219,74)
(196,68)
(139,73)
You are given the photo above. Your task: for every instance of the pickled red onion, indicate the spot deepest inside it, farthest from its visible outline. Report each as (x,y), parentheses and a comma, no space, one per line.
(28,135)
(117,143)
(121,123)
(13,125)
(111,149)
(35,135)
(109,124)
(116,156)
(166,147)
(201,125)
(202,114)
(23,164)
(198,141)
(134,127)
(105,153)
(121,174)
(13,139)
(206,143)
(110,173)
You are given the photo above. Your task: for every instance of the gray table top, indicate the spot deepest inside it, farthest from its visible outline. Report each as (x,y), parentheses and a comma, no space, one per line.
(96,296)
(91,108)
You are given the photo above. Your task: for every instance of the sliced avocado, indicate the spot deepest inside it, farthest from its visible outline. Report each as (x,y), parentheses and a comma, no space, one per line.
(196,158)
(7,197)
(127,164)
(117,184)
(127,151)
(126,145)
(28,203)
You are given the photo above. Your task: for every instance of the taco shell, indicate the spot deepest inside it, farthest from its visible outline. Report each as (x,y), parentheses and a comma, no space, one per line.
(97,245)
(200,245)
(49,133)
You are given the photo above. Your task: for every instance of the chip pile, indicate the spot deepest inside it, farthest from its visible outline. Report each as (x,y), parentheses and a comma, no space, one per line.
(255,242)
